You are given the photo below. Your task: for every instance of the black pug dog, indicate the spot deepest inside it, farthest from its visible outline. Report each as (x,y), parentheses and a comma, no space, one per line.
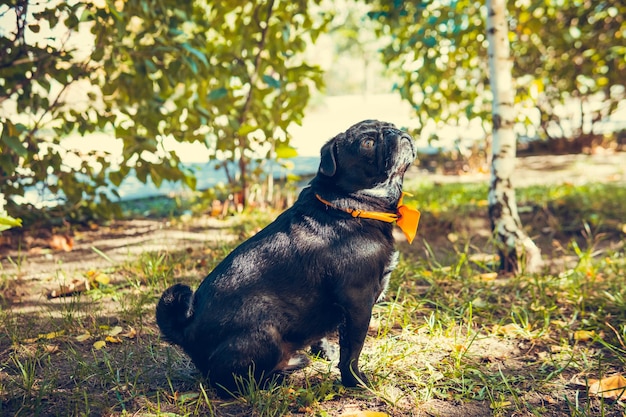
(321,265)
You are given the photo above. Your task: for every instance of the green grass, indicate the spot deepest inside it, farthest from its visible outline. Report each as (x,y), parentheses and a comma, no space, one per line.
(449,331)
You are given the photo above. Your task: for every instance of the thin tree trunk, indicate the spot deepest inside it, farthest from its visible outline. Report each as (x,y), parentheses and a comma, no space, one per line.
(513,243)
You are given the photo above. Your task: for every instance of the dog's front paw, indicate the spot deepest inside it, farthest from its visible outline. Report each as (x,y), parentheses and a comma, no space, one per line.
(351,378)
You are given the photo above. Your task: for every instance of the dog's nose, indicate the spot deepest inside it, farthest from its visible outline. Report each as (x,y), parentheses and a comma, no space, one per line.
(400,143)
(391,131)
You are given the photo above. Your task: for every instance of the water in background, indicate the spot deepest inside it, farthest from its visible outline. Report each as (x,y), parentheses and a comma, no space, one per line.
(208,176)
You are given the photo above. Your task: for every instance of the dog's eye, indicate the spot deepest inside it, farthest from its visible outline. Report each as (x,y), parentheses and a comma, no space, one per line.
(367,143)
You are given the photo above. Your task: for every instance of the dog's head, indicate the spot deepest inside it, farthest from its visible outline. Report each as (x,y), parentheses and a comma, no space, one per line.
(369,159)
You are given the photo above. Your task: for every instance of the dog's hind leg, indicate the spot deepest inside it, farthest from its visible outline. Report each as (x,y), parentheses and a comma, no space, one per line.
(258,355)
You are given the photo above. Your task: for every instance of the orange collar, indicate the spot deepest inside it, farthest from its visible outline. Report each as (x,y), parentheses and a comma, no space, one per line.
(405,217)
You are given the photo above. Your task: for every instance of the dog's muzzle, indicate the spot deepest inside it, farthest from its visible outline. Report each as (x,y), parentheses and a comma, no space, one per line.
(401,144)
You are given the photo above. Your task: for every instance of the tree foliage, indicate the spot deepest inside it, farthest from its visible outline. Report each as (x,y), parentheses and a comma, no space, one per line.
(570,52)
(562,50)
(437,55)
(229,75)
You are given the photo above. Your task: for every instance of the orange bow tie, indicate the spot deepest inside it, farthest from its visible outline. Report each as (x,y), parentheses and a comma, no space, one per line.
(405,217)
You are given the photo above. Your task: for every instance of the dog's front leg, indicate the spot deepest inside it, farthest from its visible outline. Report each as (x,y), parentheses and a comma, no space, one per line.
(352,332)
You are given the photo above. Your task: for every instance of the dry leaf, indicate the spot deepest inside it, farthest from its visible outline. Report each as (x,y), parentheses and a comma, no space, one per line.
(102,279)
(98,277)
(83,337)
(131,333)
(487,276)
(52,335)
(113,339)
(115,331)
(51,348)
(99,344)
(365,413)
(483,257)
(609,387)
(510,330)
(584,335)
(188,396)
(500,404)
(76,286)
(61,242)
(453,237)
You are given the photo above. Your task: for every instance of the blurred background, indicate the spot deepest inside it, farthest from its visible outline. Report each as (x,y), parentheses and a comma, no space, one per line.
(104,102)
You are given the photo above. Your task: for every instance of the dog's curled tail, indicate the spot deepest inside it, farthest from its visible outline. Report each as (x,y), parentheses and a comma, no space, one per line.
(174,311)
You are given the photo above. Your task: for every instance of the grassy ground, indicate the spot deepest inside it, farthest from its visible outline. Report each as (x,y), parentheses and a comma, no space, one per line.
(453,338)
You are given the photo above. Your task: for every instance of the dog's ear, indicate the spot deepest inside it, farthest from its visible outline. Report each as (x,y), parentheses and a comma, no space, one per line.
(328,162)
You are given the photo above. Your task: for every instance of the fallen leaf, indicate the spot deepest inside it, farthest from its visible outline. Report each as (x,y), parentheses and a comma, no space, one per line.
(188,396)
(453,237)
(76,286)
(52,335)
(500,404)
(584,335)
(558,349)
(510,329)
(61,242)
(51,348)
(113,339)
(99,344)
(131,333)
(102,279)
(183,396)
(460,348)
(483,257)
(479,302)
(83,337)
(487,276)
(609,387)
(365,413)
(98,277)
(115,331)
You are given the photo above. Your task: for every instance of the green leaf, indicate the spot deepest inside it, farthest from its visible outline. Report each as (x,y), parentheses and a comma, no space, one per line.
(14,143)
(271,81)
(150,66)
(217,93)
(284,151)
(245,129)
(10,221)
(196,53)
(116,178)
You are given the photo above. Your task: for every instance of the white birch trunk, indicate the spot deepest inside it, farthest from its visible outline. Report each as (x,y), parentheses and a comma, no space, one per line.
(513,243)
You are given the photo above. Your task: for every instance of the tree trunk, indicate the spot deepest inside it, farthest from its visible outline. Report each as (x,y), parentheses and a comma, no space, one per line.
(512,242)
